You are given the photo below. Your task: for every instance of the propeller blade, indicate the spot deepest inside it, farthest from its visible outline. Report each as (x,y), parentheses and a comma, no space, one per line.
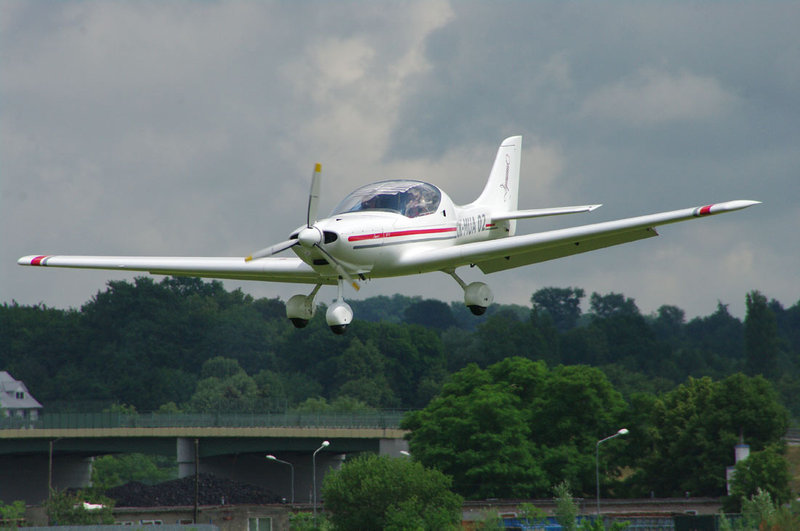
(273,249)
(339,269)
(313,195)
(313,201)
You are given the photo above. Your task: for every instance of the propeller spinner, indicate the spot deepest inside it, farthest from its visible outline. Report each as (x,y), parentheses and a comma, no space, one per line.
(311,235)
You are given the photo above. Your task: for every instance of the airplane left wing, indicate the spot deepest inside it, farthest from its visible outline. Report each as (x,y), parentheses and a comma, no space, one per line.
(277,269)
(515,251)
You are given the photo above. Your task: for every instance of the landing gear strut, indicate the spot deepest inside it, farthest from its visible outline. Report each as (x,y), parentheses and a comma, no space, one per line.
(300,308)
(477,295)
(339,314)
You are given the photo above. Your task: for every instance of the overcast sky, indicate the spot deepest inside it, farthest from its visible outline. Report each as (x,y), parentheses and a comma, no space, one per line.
(192,128)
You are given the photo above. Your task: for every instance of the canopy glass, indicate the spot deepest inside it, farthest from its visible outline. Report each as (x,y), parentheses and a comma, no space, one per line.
(409,198)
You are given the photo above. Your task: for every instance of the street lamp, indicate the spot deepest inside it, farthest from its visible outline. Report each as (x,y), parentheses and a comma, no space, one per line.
(273,458)
(325,444)
(623,431)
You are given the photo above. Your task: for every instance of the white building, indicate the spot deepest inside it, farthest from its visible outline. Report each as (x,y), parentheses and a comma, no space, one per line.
(15,400)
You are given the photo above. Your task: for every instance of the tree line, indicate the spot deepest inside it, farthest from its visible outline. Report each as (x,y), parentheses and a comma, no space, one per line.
(196,345)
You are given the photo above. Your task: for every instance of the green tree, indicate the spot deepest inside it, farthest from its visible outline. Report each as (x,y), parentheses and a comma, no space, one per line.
(563,305)
(232,391)
(760,511)
(410,354)
(566,509)
(430,313)
(307,522)
(605,306)
(361,374)
(170,408)
(113,470)
(719,332)
(220,367)
(760,337)
(344,404)
(477,431)
(577,407)
(766,471)
(669,324)
(505,334)
(11,515)
(531,515)
(65,508)
(379,492)
(284,390)
(515,428)
(692,431)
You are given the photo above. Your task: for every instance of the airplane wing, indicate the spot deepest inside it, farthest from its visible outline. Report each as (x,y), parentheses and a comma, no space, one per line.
(276,269)
(515,251)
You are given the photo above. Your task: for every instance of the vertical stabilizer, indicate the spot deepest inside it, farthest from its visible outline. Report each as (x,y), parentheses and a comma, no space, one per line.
(500,193)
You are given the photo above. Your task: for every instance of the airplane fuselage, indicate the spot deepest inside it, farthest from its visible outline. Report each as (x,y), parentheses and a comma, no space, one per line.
(372,243)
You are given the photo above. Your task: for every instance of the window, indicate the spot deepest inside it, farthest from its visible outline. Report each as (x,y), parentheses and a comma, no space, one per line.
(260,524)
(20,395)
(409,198)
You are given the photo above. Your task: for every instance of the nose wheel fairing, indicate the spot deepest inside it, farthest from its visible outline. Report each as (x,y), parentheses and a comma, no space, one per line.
(478,296)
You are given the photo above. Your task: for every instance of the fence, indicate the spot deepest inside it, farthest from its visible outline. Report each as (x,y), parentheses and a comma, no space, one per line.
(380,419)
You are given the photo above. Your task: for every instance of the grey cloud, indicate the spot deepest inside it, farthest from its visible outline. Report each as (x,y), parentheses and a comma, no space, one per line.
(192,127)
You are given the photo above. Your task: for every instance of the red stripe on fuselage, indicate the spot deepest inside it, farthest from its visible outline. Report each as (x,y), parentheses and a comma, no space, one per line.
(38,260)
(415,232)
(706,210)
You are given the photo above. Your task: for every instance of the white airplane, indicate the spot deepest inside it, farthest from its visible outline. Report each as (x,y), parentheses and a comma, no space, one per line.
(404,227)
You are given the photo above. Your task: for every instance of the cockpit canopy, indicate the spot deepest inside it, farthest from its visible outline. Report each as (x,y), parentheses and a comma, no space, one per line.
(409,198)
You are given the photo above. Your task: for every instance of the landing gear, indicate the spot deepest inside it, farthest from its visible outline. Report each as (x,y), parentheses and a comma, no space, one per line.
(339,314)
(477,295)
(300,308)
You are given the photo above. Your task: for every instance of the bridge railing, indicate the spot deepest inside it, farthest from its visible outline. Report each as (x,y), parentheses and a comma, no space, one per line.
(380,419)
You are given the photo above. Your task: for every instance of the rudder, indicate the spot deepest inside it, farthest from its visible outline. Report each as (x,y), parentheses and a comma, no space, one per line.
(501,190)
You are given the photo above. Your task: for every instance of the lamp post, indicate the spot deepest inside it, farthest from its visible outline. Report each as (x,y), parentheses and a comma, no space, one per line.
(273,458)
(325,444)
(623,431)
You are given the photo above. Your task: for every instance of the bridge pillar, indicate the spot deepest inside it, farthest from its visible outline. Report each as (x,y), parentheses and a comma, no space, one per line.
(186,452)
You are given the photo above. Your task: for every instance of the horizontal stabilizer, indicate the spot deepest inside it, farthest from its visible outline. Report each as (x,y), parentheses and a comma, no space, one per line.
(543,212)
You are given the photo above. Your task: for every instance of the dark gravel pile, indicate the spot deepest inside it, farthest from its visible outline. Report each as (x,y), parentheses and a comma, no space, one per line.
(180,492)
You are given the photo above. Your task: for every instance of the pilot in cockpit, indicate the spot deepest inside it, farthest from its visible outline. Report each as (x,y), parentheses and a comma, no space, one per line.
(414,203)
(417,203)
(369,203)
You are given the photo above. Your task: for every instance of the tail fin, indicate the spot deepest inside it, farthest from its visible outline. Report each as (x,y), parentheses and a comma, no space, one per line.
(500,193)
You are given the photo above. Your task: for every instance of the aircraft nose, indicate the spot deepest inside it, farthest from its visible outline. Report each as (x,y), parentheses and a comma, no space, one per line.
(309,236)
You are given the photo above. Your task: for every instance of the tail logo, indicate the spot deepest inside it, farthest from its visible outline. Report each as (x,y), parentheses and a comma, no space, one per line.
(505,186)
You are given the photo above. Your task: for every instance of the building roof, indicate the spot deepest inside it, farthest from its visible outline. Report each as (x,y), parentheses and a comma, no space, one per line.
(10,392)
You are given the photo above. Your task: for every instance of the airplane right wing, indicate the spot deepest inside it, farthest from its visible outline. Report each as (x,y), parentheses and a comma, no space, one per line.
(515,251)
(275,269)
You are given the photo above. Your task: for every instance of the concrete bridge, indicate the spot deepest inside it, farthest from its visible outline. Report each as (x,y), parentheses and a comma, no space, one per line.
(57,450)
